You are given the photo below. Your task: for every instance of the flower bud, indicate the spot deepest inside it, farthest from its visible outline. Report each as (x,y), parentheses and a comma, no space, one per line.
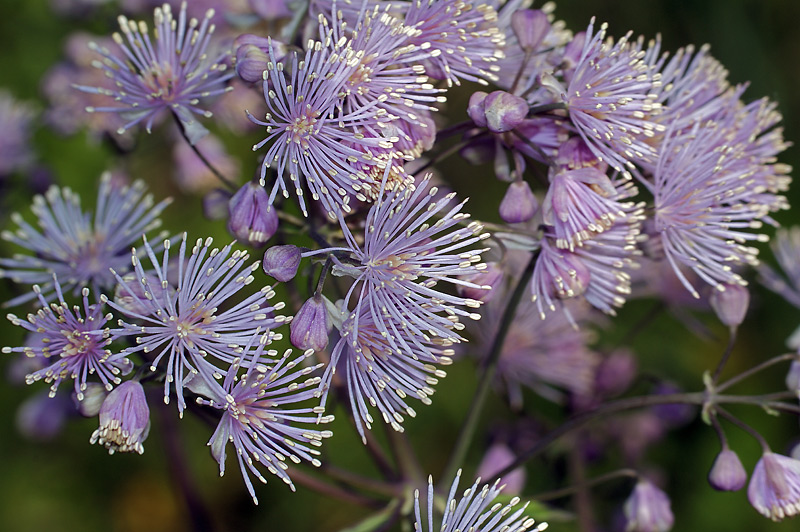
(730,303)
(281,262)
(727,473)
(648,509)
(252,218)
(124,419)
(252,55)
(309,328)
(504,111)
(531,27)
(93,397)
(519,204)
(475,108)
(495,460)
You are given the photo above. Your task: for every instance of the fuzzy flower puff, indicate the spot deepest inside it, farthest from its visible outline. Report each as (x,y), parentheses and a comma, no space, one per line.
(260,416)
(74,245)
(411,243)
(310,136)
(172,74)
(187,326)
(74,343)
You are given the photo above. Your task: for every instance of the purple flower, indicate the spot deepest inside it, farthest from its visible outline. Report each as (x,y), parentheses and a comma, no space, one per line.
(730,303)
(519,204)
(462,38)
(188,326)
(281,262)
(261,416)
(648,509)
(475,510)
(74,343)
(251,218)
(497,457)
(74,245)
(124,419)
(383,365)
(171,73)
(786,281)
(309,328)
(774,488)
(414,242)
(610,102)
(15,122)
(310,137)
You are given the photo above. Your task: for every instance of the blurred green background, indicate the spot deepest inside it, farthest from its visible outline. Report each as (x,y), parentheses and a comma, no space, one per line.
(68,485)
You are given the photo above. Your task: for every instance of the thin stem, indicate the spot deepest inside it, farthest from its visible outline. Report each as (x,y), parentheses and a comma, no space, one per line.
(582,497)
(569,490)
(199,516)
(720,433)
(546,108)
(354,479)
(322,275)
(725,356)
(225,181)
(454,129)
(439,157)
(407,460)
(755,369)
(476,408)
(522,67)
(325,488)
(745,427)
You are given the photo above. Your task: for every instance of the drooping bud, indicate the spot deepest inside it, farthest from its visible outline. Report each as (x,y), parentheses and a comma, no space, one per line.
(491,277)
(504,111)
(648,509)
(252,219)
(476,109)
(281,262)
(252,55)
(93,397)
(530,27)
(495,460)
(727,473)
(309,328)
(519,204)
(774,488)
(730,304)
(124,419)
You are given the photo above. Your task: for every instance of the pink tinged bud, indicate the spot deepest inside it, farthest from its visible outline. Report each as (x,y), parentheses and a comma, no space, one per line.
(727,473)
(309,328)
(252,55)
(476,109)
(495,460)
(489,279)
(281,262)
(793,377)
(215,204)
(531,27)
(252,219)
(519,204)
(504,111)
(124,419)
(774,488)
(648,509)
(730,302)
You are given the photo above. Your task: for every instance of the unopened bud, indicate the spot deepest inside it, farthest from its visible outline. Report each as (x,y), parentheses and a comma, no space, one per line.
(531,27)
(93,397)
(730,303)
(648,509)
(124,419)
(309,328)
(504,111)
(475,108)
(727,473)
(252,55)
(281,262)
(252,218)
(519,204)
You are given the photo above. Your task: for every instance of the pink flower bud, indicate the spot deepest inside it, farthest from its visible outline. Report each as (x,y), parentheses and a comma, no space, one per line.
(309,328)
(531,27)
(727,473)
(252,218)
(519,204)
(504,111)
(475,109)
(281,262)
(730,303)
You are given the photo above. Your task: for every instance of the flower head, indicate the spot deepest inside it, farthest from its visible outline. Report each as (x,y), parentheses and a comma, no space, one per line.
(201,319)
(310,137)
(124,419)
(774,488)
(75,245)
(474,511)
(171,73)
(261,416)
(74,343)
(15,123)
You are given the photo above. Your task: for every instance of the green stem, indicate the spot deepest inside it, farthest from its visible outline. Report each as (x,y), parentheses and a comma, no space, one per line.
(725,356)
(225,181)
(476,408)
(569,490)
(755,369)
